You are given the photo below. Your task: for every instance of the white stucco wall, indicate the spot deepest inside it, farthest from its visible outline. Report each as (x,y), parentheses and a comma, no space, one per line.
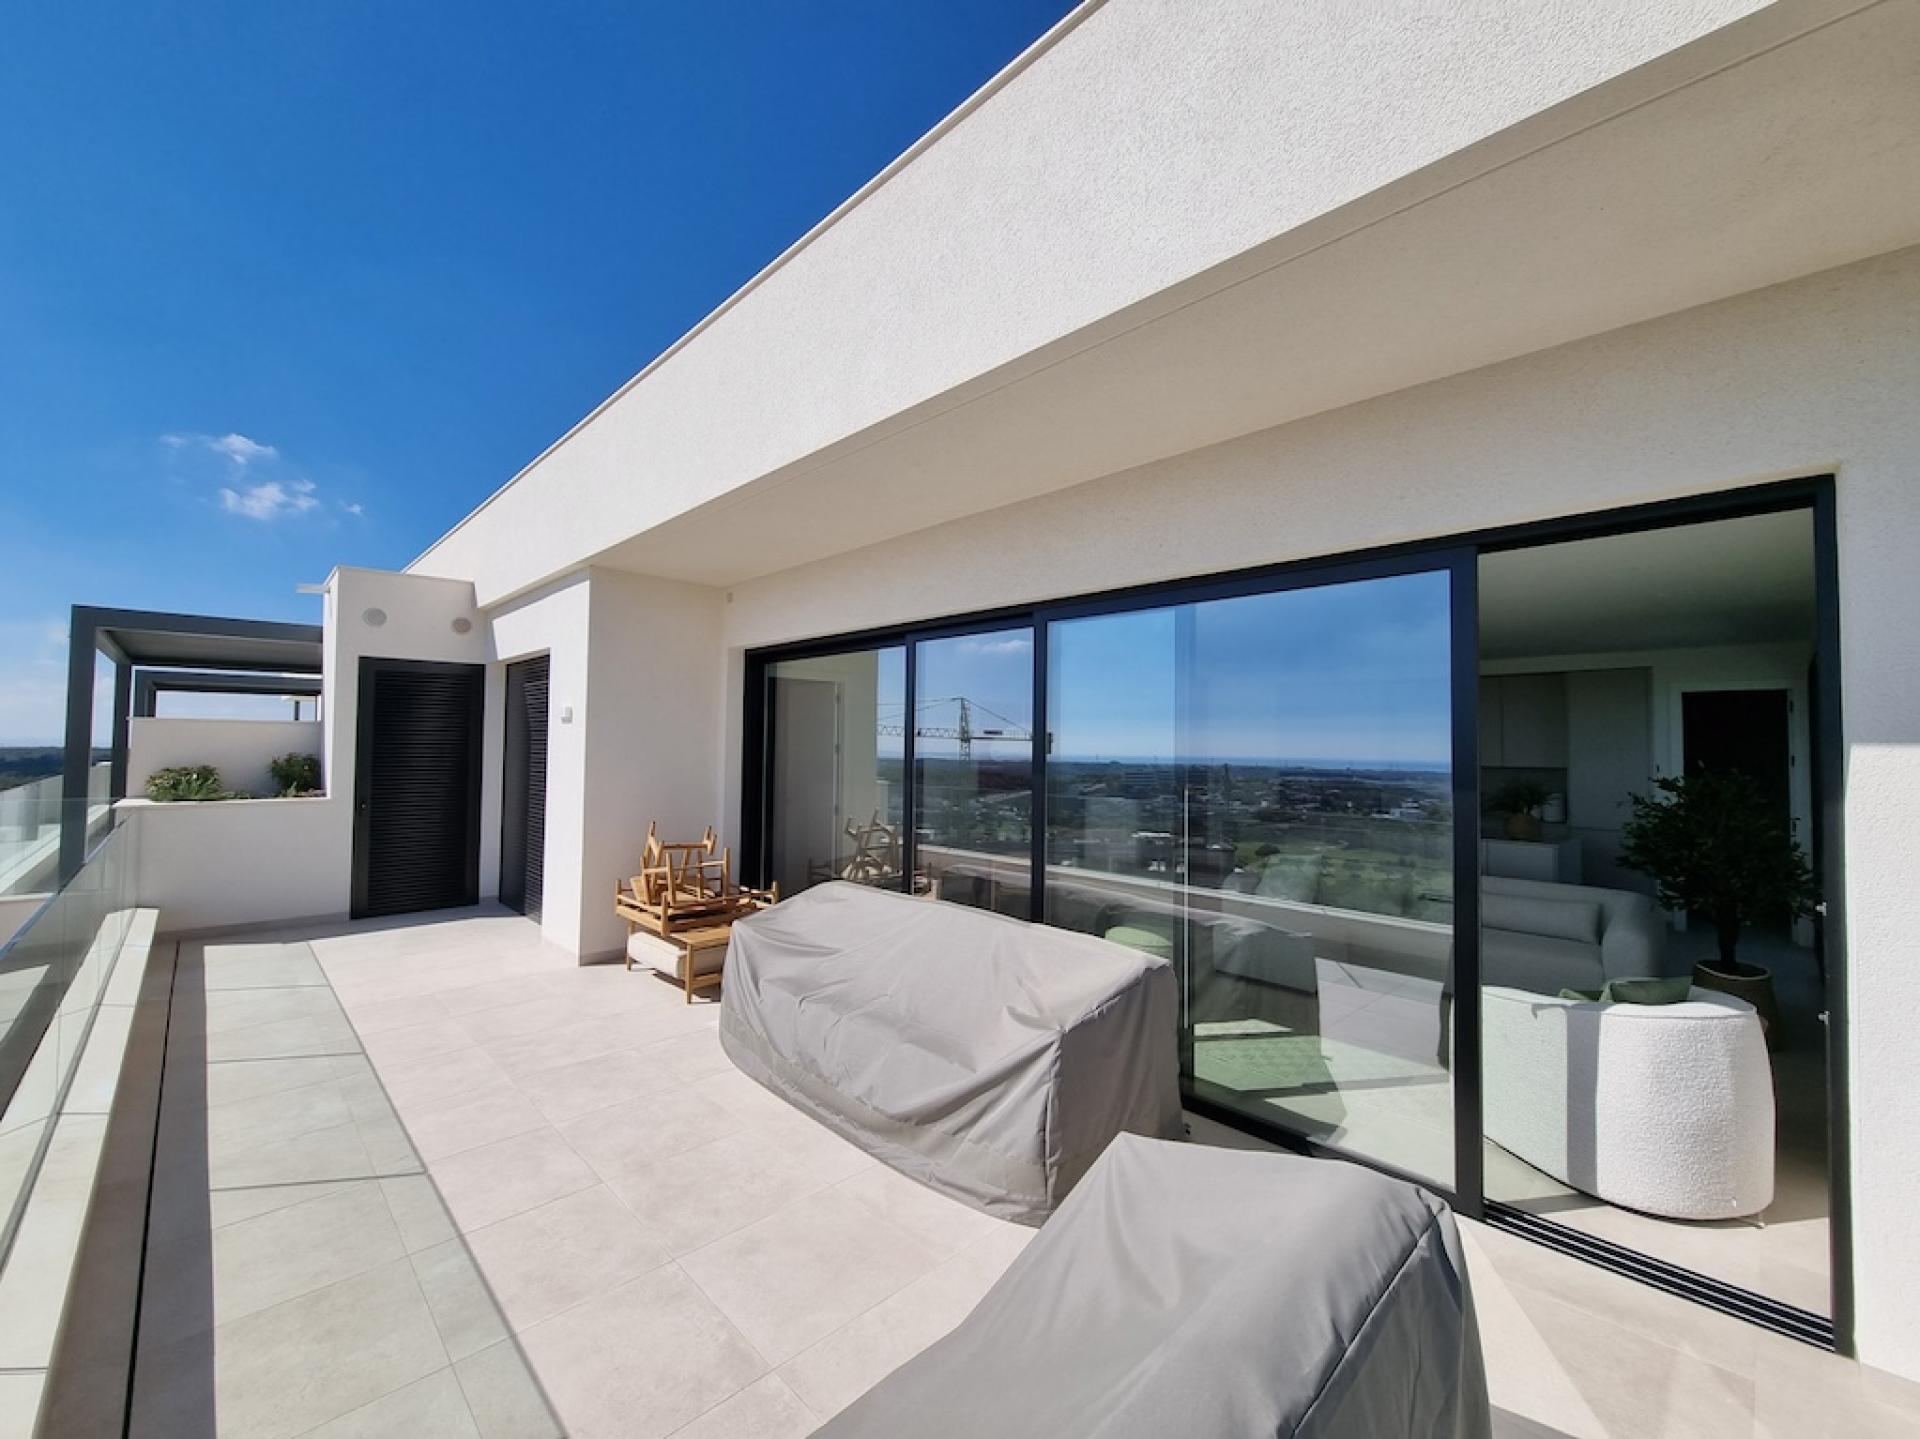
(1155,140)
(243,861)
(652,719)
(240,749)
(1813,376)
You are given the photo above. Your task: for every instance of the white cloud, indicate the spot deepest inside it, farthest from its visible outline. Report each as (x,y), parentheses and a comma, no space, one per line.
(1020,644)
(354,507)
(241,450)
(270,500)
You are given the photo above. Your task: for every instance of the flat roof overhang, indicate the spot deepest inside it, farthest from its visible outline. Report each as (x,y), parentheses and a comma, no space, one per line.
(208,642)
(1776,147)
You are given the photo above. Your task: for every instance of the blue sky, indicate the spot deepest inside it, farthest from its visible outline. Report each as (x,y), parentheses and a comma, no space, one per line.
(285,286)
(1352,673)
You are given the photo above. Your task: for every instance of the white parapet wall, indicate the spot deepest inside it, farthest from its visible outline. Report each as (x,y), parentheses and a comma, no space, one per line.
(209,864)
(239,749)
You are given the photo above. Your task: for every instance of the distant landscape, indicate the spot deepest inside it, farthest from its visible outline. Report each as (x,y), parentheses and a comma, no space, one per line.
(23,764)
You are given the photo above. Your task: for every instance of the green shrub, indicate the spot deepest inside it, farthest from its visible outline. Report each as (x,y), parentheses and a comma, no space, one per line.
(296,774)
(186,781)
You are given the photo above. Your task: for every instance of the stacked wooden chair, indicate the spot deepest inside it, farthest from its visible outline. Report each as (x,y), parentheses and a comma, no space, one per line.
(685,894)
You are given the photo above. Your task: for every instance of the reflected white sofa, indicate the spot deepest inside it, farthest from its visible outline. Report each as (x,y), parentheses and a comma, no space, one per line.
(1546,937)
(1663,1108)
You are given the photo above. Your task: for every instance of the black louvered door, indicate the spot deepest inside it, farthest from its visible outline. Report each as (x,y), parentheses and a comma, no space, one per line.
(523,795)
(416,822)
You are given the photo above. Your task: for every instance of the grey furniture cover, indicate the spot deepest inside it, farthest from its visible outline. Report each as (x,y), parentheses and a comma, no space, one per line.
(1209,1294)
(988,1058)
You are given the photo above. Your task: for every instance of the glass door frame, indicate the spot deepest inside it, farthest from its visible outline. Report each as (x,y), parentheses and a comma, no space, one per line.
(1459,562)
(1458,555)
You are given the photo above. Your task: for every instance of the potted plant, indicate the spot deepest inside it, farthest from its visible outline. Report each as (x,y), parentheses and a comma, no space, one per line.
(185,782)
(1519,800)
(1714,845)
(297,775)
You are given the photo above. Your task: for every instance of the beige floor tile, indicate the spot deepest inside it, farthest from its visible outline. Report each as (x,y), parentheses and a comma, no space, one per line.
(810,1142)
(503,1396)
(1671,1394)
(284,1039)
(568,1091)
(321,1154)
(553,1257)
(223,1011)
(513,992)
(496,1113)
(837,1369)
(418,1212)
(258,966)
(430,1408)
(1530,1389)
(690,1199)
(1802,1391)
(1891,1389)
(282,1371)
(627,1138)
(254,1079)
(490,1183)
(289,1251)
(587,1359)
(1719,1339)
(692,1057)
(944,1225)
(235,1206)
(566,1043)
(464,1309)
(547,1009)
(275,1117)
(765,1409)
(418,1041)
(441,1079)
(378,1018)
(789,1280)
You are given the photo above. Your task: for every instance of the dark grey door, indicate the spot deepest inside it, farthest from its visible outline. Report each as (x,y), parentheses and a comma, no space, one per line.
(416,789)
(523,802)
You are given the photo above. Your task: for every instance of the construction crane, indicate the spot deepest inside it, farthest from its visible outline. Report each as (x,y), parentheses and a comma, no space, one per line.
(1005,732)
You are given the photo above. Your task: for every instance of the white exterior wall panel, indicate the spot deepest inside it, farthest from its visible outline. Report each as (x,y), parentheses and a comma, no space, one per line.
(1813,376)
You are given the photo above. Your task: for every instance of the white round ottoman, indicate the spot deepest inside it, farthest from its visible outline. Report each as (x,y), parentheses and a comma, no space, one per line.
(1663,1108)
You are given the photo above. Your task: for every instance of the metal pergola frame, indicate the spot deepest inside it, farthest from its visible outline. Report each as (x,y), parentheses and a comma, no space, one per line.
(203,652)
(149,685)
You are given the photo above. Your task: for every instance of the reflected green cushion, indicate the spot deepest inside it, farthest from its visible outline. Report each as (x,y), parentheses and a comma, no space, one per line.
(1147,941)
(1634,991)
(1648,991)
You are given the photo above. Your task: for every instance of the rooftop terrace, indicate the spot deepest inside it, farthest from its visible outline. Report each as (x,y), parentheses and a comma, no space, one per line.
(434,1178)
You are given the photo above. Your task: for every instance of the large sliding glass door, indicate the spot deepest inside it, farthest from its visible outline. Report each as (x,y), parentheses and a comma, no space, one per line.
(973,769)
(834,761)
(1388,818)
(1260,788)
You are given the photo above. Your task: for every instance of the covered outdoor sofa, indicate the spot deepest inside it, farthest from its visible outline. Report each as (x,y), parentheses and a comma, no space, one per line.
(988,1058)
(1207,1293)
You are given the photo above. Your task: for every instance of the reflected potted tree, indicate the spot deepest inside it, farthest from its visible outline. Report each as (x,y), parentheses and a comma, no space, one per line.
(1713,845)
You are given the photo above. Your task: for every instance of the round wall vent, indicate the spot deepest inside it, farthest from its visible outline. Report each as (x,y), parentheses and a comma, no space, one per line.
(374,617)
(462,626)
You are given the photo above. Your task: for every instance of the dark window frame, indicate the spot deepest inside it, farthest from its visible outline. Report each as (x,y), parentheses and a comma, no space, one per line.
(1459,554)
